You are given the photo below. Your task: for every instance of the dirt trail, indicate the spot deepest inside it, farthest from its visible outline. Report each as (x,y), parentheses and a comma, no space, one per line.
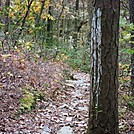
(64,107)
(70,112)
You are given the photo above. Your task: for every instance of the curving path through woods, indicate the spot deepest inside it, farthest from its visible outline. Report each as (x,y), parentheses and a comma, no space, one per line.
(69,115)
(63,107)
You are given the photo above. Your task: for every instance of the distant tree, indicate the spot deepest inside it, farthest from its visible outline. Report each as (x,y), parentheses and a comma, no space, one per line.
(103,109)
(76,23)
(38,17)
(49,26)
(131,7)
(7,4)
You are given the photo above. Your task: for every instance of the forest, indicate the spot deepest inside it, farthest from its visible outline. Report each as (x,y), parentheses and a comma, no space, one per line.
(66,66)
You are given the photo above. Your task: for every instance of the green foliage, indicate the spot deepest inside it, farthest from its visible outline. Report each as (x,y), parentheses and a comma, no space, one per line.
(29,98)
(128,51)
(62,52)
(77,59)
(124,41)
(129,100)
(26,21)
(27,101)
(125,52)
(125,30)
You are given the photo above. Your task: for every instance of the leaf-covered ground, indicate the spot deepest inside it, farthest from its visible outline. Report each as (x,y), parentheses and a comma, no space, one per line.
(46,97)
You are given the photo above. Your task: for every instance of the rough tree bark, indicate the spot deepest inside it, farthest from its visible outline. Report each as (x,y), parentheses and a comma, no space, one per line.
(103,110)
(131,7)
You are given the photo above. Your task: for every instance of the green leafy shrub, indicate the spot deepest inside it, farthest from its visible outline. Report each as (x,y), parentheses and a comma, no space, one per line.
(76,58)
(129,100)
(79,59)
(125,35)
(29,98)
(27,101)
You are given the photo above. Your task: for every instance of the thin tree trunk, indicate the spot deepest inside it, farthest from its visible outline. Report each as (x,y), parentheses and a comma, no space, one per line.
(58,19)
(7,21)
(7,4)
(76,23)
(39,15)
(24,20)
(103,110)
(49,27)
(89,9)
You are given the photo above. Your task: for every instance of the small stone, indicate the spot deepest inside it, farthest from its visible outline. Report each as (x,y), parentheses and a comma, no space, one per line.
(65,130)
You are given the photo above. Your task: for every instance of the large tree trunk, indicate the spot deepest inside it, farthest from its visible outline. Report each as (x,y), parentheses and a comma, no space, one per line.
(131,6)
(103,111)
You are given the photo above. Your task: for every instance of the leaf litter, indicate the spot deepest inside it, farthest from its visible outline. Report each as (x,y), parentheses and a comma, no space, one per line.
(63,106)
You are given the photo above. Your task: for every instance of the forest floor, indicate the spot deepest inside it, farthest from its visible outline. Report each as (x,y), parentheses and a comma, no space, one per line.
(47,97)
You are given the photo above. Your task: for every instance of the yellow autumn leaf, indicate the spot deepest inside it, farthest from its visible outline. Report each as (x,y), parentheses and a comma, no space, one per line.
(1,85)
(9,73)
(47,2)
(56,80)
(6,55)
